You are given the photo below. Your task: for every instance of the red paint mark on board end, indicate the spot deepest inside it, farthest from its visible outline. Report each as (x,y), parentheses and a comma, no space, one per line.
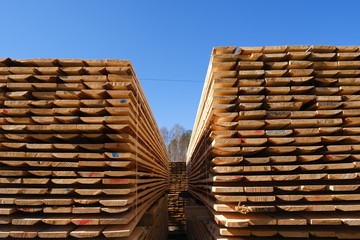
(118,181)
(4,111)
(82,221)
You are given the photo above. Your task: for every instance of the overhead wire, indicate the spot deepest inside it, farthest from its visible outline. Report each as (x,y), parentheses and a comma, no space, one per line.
(169,80)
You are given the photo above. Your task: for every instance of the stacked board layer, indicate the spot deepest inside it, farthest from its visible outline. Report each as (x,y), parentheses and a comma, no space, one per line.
(275,149)
(81,154)
(175,201)
(154,224)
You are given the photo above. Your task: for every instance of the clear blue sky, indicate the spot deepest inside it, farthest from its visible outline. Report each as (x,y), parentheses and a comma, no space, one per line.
(169,40)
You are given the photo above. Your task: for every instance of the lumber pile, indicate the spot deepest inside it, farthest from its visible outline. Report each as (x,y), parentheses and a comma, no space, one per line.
(175,201)
(155,221)
(275,149)
(197,217)
(81,155)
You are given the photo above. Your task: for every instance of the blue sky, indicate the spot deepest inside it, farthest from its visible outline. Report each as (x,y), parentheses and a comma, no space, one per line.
(169,40)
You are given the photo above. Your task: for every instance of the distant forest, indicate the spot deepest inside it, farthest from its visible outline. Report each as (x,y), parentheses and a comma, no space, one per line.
(177,140)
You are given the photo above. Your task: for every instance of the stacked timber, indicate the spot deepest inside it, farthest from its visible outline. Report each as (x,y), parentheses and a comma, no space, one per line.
(155,221)
(275,149)
(81,155)
(197,217)
(175,201)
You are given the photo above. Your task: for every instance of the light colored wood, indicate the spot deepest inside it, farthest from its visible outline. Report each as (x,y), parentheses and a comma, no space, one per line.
(302,100)
(25,232)
(56,141)
(56,232)
(87,231)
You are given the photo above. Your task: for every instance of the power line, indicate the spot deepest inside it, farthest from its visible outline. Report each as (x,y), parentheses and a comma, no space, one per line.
(170,80)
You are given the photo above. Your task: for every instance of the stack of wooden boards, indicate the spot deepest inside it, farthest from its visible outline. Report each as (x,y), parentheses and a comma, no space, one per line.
(154,224)
(81,154)
(175,201)
(275,149)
